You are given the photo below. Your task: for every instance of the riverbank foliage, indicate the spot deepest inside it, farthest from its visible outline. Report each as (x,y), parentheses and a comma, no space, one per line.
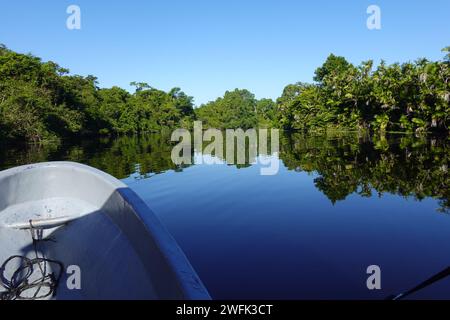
(40,101)
(413,96)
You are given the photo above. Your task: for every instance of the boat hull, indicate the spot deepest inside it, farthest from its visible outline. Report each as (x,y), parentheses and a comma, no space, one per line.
(101,231)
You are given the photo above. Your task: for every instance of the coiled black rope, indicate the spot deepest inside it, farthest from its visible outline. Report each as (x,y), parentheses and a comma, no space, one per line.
(20,285)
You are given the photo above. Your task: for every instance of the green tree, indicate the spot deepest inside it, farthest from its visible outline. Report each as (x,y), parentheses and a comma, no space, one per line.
(237,109)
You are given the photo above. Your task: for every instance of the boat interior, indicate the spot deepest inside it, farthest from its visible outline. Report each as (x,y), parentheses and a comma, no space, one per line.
(94,238)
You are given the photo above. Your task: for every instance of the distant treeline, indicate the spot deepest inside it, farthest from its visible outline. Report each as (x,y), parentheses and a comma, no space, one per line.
(40,101)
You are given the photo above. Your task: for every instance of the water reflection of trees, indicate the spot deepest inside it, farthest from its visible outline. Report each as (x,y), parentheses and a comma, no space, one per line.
(141,156)
(347,164)
(344,164)
(121,157)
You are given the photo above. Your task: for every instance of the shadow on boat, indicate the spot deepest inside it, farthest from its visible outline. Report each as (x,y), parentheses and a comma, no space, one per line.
(112,246)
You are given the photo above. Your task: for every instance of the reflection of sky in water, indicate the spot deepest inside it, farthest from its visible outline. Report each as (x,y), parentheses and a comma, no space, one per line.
(268,164)
(253,236)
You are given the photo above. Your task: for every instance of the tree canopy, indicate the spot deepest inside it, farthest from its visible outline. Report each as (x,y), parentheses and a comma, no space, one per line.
(413,96)
(41,101)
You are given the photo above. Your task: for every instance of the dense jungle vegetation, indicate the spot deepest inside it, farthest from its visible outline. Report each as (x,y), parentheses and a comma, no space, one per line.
(40,101)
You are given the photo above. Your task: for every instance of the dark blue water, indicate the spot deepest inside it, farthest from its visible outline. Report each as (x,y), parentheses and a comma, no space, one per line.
(258,237)
(337,206)
(252,236)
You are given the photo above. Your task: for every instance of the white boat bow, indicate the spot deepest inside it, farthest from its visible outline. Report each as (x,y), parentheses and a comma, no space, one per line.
(95,223)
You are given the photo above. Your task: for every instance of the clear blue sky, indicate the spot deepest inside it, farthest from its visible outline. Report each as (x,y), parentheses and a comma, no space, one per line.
(208,47)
